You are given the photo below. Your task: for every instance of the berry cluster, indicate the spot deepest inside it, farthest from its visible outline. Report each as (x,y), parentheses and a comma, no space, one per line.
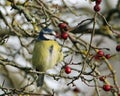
(97,5)
(106,87)
(100,54)
(64,35)
(64,30)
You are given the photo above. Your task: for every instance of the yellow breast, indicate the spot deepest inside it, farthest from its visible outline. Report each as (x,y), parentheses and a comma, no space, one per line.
(46,54)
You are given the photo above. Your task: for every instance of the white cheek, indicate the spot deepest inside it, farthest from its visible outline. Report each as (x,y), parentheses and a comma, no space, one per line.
(50,37)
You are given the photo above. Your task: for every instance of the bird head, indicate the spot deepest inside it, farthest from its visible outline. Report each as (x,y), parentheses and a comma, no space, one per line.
(47,34)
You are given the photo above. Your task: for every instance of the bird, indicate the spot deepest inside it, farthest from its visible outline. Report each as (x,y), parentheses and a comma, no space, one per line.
(46,53)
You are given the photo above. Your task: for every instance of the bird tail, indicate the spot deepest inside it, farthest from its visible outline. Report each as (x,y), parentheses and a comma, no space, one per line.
(40,80)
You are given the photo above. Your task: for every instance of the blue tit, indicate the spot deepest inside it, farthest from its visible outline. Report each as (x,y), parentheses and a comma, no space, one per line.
(46,53)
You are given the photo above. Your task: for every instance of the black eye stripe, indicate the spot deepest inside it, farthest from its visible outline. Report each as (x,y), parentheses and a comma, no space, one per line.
(51,34)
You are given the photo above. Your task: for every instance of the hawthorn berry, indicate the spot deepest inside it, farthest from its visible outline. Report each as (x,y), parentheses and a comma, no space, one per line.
(96,8)
(100,53)
(118,48)
(102,78)
(107,56)
(106,87)
(98,2)
(63,26)
(64,35)
(76,90)
(67,69)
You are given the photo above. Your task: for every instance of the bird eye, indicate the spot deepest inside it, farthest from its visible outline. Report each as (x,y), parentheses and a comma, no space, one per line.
(52,34)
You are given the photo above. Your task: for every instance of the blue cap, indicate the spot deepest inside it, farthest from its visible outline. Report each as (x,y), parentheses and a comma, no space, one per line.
(46,34)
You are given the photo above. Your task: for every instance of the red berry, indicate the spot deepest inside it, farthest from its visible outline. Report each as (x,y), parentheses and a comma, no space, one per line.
(118,48)
(62,25)
(96,8)
(100,53)
(64,35)
(98,2)
(67,69)
(102,78)
(107,56)
(106,87)
(76,90)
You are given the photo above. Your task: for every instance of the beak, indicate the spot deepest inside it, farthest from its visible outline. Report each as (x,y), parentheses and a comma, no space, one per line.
(53,33)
